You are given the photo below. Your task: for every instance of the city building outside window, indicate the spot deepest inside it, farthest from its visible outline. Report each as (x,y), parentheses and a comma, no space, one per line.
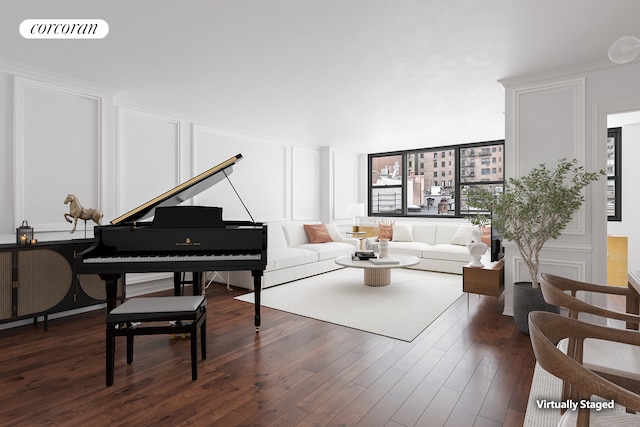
(401,185)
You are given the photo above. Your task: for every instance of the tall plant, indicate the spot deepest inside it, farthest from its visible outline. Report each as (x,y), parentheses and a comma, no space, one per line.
(534,208)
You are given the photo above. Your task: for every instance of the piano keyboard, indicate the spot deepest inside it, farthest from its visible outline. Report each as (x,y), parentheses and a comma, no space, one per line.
(171,258)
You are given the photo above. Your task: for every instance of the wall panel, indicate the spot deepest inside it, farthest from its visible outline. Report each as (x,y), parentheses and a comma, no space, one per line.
(345,178)
(260,178)
(148,157)
(550,121)
(305,181)
(56,151)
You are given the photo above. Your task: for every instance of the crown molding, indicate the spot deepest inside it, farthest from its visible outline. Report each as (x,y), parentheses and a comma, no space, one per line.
(29,72)
(557,73)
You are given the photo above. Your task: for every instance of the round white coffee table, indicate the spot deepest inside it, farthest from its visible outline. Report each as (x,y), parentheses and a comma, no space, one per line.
(378,274)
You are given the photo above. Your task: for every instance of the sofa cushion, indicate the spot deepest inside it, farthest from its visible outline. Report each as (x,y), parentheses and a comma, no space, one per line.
(329,250)
(335,233)
(462,236)
(402,233)
(447,252)
(408,248)
(445,232)
(425,233)
(317,233)
(275,237)
(295,234)
(278,258)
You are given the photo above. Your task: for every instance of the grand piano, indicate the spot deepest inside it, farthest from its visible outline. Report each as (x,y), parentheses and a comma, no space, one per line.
(178,239)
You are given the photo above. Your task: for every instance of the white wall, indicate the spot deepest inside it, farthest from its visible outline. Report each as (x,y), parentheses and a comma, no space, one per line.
(6,153)
(72,137)
(564,114)
(629,226)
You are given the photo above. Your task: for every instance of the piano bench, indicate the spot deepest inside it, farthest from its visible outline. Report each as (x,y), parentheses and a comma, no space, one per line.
(187,314)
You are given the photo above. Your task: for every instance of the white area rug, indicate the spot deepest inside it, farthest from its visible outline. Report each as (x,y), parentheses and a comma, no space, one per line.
(400,310)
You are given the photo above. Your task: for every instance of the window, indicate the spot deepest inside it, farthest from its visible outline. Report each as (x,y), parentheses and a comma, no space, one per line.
(614,174)
(433,189)
(386,183)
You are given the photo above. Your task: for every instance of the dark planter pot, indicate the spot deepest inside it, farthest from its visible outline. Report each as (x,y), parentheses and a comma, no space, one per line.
(526,299)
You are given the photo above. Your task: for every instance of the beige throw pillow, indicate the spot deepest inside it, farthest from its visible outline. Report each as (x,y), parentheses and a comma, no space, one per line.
(317,233)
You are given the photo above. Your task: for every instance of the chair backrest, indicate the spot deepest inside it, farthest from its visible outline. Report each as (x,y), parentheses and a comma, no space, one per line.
(547,329)
(562,292)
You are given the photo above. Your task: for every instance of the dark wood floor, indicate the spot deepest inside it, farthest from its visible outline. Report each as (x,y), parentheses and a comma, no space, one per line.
(469,368)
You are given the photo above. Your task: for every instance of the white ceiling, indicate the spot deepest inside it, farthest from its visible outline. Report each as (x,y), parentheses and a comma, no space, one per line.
(365,75)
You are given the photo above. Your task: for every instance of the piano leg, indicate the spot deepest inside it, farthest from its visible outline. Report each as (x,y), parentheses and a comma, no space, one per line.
(257,287)
(111,285)
(195,283)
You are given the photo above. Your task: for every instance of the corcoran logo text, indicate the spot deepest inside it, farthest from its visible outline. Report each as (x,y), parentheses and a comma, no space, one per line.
(64,29)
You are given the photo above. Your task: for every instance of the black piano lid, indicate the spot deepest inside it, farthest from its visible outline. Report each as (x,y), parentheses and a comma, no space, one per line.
(179,194)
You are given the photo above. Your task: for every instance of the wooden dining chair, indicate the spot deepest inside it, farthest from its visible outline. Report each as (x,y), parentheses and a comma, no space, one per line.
(562,291)
(546,330)
(616,361)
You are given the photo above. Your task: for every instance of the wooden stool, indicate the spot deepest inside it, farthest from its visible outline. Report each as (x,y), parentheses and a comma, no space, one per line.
(128,319)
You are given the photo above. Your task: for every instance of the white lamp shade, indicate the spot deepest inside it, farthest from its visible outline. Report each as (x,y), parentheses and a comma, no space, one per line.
(356,209)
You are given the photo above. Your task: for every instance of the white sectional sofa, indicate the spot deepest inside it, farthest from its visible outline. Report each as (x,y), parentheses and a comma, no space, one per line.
(440,247)
(291,255)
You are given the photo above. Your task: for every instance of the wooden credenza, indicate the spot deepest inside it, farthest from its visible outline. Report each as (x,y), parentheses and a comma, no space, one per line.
(484,281)
(38,280)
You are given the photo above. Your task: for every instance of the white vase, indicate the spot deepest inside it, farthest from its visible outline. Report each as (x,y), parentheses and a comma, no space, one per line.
(383,246)
(476,249)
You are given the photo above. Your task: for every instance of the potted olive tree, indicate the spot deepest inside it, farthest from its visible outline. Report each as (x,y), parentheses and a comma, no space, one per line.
(530,211)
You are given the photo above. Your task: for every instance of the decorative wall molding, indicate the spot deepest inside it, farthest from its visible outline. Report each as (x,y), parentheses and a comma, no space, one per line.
(305,184)
(267,165)
(573,269)
(65,135)
(345,169)
(576,88)
(29,72)
(555,245)
(150,154)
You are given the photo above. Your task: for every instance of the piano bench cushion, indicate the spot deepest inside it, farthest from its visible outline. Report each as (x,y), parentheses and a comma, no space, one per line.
(278,258)
(157,308)
(329,250)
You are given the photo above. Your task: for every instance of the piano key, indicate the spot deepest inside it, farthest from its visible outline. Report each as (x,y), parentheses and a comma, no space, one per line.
(171,258)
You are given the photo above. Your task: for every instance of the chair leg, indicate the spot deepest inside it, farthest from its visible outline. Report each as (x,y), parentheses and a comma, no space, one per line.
(194,353)
(203,339)
(111,349)
(129,349)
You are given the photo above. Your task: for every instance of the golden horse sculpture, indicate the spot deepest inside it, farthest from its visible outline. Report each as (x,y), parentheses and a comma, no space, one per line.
(76,211)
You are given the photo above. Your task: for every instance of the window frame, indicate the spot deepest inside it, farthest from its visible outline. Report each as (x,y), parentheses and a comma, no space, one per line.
(616,177)
(453,150)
